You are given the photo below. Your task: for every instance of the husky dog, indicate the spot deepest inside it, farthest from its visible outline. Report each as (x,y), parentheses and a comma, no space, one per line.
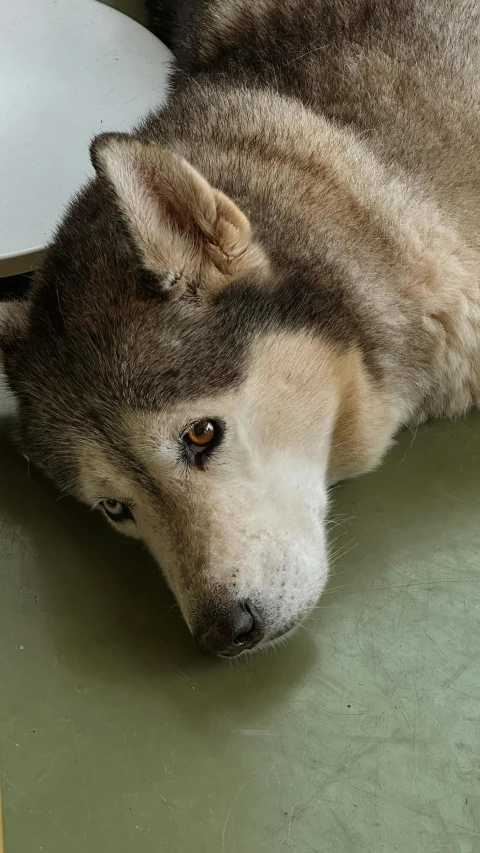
(264,282)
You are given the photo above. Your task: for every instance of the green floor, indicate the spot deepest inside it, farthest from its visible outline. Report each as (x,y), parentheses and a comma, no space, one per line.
(363,734)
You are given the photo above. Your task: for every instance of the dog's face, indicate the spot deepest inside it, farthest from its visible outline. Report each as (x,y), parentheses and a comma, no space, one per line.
(228,490)
(156,383)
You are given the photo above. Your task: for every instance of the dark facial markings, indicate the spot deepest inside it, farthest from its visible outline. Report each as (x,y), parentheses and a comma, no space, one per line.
(198,442)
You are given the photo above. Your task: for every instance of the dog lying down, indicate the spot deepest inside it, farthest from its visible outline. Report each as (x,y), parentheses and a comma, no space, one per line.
(264,282)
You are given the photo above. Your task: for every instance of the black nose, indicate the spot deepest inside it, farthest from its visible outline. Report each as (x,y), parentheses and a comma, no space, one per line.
(234,631)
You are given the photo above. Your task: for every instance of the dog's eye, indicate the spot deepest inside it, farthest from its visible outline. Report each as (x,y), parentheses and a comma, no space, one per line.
(201,438)
(200,434)
(116,510)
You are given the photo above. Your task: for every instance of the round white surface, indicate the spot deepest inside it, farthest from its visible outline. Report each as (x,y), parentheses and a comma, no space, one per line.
(68,70)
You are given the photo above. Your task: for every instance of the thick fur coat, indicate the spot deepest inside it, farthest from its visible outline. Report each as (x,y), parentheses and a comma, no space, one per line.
(266,280)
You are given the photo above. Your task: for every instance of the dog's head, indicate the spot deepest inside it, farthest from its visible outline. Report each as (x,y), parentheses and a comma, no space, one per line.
(158,381)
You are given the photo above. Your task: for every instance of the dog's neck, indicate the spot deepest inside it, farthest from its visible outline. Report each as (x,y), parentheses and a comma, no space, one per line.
(366,420)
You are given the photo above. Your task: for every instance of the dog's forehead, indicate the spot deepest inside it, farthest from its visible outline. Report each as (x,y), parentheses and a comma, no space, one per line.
(90,360)
(125,344)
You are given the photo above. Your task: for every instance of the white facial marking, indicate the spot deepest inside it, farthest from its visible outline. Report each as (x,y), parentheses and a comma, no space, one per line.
(251,524)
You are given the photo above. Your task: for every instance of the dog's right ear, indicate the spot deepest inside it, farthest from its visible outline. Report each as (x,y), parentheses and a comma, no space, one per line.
(190,235)
(14,325)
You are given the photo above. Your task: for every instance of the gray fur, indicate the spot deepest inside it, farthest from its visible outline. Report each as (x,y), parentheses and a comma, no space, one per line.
(347,132)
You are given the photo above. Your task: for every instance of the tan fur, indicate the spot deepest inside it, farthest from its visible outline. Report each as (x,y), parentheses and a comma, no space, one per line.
(317,173)
(188,233)
(394,236)
(289,435)
(365,421)
(352,415)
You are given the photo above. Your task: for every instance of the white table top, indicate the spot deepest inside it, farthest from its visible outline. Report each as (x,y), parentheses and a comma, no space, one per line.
(68,69)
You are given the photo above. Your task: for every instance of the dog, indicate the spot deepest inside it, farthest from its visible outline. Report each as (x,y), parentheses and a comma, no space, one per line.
(266,280)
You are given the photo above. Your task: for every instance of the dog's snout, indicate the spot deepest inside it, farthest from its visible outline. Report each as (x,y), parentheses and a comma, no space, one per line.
(231,633)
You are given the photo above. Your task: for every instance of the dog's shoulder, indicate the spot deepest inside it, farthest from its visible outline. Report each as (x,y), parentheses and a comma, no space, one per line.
(340,57)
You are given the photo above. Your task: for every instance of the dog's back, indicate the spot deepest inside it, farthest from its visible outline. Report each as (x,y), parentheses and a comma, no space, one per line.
(404,73)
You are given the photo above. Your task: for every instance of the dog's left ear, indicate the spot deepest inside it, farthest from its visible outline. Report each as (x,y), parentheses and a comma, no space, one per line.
(14,325)
(189,235)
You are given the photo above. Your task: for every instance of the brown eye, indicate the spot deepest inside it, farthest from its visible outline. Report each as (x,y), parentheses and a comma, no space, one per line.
(201,434)
(200,440)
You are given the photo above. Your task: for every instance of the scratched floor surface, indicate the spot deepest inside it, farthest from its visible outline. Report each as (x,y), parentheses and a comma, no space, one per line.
(362,734)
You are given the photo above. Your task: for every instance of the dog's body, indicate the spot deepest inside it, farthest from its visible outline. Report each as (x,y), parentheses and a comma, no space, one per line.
(307,288)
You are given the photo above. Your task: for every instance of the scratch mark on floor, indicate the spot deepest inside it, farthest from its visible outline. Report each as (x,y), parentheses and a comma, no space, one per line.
(159,793)
(458,672)
(229,813)
(82,767)
(60,829)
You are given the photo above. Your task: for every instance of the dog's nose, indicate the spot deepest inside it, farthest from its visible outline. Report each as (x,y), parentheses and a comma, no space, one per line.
(239,629)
